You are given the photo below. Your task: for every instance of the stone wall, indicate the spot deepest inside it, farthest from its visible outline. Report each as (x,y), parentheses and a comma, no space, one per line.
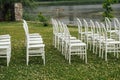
(18,11)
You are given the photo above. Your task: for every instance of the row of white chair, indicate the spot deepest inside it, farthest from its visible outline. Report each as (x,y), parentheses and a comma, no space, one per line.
(96,34)
(64,42)
(34,45)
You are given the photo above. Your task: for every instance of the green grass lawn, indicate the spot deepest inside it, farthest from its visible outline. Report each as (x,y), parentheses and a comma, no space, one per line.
(56,68)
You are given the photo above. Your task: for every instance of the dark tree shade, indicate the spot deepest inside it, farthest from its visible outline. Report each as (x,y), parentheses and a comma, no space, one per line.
(7,8)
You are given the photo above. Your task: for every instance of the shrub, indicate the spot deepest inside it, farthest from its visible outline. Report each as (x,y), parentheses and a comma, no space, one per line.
(108,9)
(42,19)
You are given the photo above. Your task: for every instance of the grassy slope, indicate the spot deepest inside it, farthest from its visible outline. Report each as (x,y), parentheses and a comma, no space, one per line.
(57,68)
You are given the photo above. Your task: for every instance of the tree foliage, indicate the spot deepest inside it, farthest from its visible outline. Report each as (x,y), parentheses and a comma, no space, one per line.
(42,19)
(108,9)
(7,8)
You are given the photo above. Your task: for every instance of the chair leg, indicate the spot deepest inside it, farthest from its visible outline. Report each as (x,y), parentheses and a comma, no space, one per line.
(43,58)
(85,55)
(93,49)
(103,52)
(90,45)
(86,58)
(106,55)
(55,41)
(117,50)
(8,60)
(100,50)
(69,57)
(63,48)
(80,56)
(66,51)
(114,50)
(27,58)
(8,56)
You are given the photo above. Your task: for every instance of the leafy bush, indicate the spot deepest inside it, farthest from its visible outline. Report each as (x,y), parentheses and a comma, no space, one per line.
(108,9)
(29,17)
(42,19)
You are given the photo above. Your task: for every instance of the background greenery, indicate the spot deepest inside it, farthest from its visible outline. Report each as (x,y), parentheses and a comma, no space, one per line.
(56,68)
(69,2)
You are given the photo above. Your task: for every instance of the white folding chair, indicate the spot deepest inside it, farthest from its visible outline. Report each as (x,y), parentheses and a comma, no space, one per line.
(117,28)
(74,48)
(56,33)
(101,39)
(5,47)
(65,41)
(34,45)
(110,28)
(54,24)
(94,35)
(109,46)
(88,32)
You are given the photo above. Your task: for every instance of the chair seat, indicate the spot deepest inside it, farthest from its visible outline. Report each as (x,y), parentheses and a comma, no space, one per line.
(71,38)
(4,36)
(4,46)
(112,31)
(77,44)
(36,52)
(108,40)
(4,43)
(94,36)
(35,39)
(74,41)
(85,32)
(114,42)
(117,32)
(36,45)
(4,40)
(33,34)
(35,42)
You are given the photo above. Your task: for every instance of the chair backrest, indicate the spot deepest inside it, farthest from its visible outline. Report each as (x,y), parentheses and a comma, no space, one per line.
(57,30)
(61,30)
(99,29)
(85,24)
(107,23)
(92,27)
(97,25)
(25,26)
(116,24)
(117,27)
(67,33)
(104,31)
(53,24)
(79,23)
